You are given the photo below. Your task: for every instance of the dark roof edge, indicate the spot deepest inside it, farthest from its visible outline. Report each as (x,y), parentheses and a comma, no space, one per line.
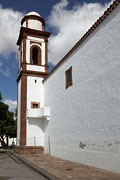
(84,37)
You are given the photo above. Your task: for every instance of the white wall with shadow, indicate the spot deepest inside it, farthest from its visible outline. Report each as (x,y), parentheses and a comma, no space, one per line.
(36,128)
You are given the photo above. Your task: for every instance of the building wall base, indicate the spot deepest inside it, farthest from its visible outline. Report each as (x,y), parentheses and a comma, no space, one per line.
(29,149)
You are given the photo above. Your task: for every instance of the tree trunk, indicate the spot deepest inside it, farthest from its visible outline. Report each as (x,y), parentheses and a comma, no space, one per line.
(7,141)
(2,141)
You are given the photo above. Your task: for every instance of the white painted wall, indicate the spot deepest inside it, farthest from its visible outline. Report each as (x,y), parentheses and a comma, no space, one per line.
(35,129)
(35,132)
(19,112)
(36,68)
(35,91)
(89,111)
(35,24)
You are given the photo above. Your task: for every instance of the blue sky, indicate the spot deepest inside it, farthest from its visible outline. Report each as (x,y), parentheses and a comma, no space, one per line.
(63,18)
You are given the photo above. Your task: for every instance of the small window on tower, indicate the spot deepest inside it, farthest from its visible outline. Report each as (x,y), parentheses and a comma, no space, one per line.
(35,56)
(35,105)
(68,74)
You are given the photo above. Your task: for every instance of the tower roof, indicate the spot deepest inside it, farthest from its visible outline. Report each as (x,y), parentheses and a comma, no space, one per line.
(33,13)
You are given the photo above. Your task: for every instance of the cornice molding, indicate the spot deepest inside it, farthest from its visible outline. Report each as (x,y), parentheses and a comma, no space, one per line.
(31,32)
(31,73)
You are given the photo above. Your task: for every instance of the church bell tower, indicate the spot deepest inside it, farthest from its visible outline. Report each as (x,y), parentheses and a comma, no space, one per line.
(33,68)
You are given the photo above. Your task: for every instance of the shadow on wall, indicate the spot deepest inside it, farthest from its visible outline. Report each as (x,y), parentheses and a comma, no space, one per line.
(45,124)
(41,123)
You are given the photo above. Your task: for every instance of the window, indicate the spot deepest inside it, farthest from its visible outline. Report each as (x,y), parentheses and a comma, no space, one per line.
(68,74)
(35,105)
(34,56)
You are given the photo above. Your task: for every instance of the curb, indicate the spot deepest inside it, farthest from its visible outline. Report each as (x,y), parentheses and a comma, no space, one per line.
(3,150)
(41,171)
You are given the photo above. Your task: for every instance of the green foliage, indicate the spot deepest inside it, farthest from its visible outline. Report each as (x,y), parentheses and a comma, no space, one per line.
(7,123)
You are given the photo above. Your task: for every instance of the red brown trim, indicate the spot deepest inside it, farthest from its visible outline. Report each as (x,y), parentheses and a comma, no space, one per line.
(31,73)
(46,66)
(39,54)
(31,32)
(29,149)
(20,51)
(46,56)
(36,65)
(27,23)
(33,17)
(23,66)
(85,36)
(24,53)
(42,27)
(23,110)
(67,84)
(38,36)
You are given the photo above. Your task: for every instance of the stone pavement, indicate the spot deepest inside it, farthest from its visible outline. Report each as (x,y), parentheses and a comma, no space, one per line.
(67,170)
(14,169)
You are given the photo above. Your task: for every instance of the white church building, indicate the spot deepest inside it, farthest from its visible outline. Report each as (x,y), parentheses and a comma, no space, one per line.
(73,112)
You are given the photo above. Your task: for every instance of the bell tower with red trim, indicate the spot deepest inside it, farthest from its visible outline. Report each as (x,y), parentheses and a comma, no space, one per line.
(33,68)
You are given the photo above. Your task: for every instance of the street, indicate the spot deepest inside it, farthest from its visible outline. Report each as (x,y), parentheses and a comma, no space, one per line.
(11,169)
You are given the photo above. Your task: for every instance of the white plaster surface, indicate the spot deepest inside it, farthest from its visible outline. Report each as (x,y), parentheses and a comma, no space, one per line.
(35,38)
(35,24)
(19,113)
(35,132)
(39,112)
(36,68)
(84,121)
(35,93)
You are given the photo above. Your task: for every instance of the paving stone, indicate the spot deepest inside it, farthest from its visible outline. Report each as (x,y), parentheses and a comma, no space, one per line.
(67,170)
